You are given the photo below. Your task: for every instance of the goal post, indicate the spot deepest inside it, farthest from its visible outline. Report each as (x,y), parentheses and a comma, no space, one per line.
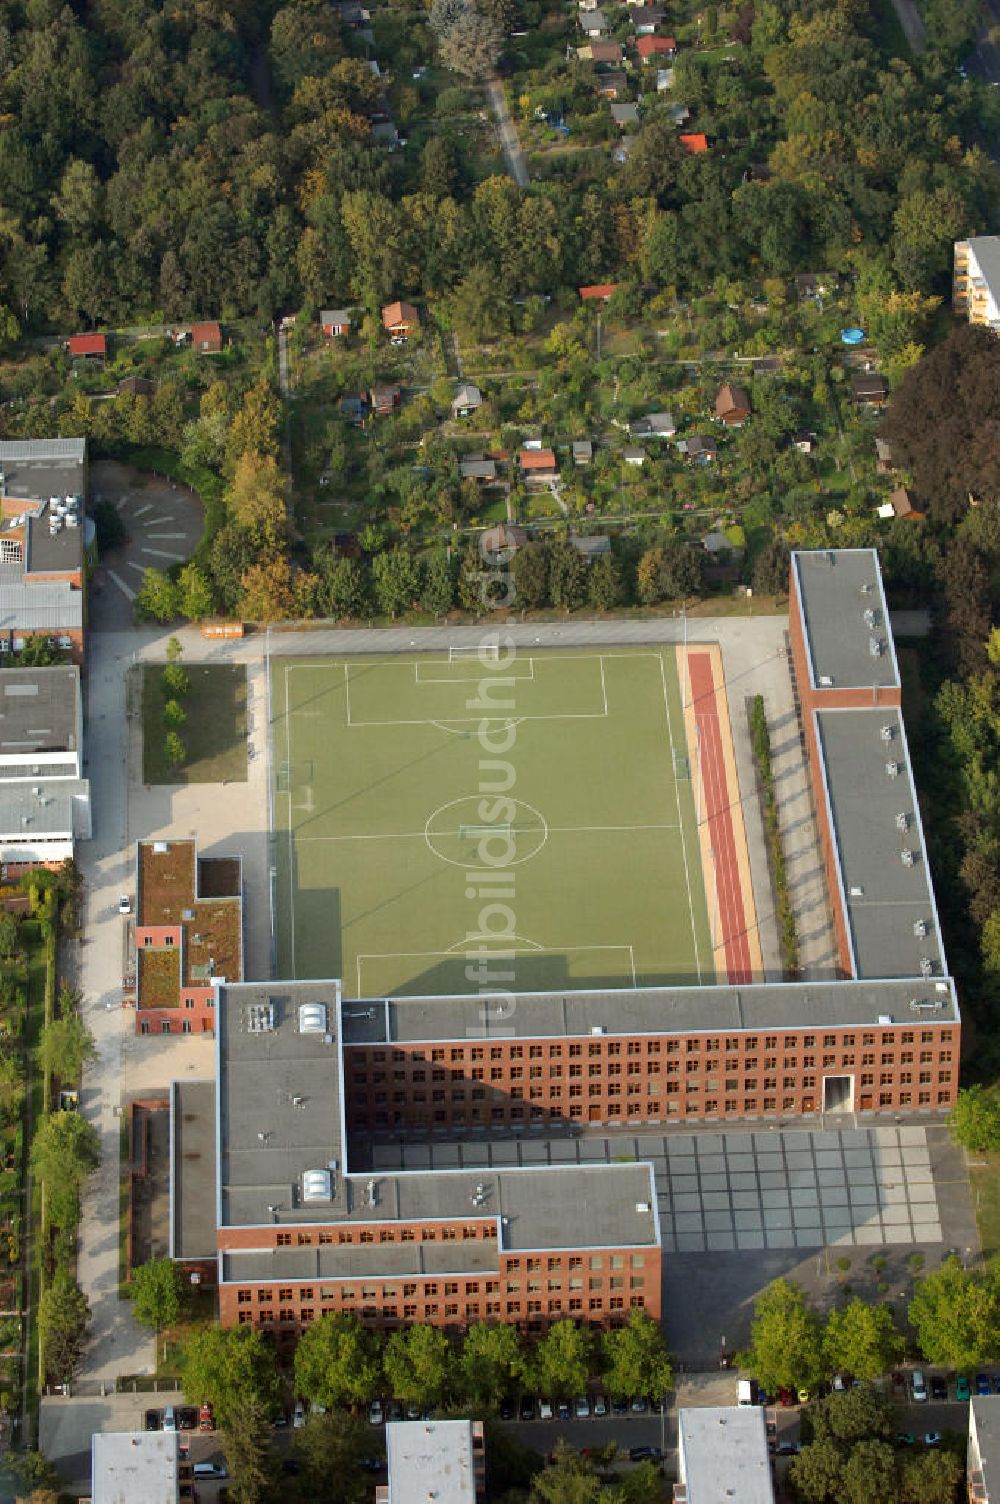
(486,652)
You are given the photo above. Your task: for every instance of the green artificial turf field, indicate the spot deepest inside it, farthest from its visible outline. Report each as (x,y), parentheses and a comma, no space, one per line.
(402,841)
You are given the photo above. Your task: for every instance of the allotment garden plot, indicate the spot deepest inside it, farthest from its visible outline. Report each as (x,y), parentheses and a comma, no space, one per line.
(431,808)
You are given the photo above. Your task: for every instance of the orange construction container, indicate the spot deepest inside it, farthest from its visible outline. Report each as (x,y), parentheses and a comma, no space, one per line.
(222,629)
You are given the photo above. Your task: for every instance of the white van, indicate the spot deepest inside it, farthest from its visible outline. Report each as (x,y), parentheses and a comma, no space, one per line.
(170,1419)
(746,1392)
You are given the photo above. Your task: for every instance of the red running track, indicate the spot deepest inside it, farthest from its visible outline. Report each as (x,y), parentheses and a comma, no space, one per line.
(731,930)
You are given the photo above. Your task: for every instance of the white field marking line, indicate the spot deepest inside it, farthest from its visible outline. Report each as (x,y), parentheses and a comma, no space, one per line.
(347,692)
(161,553)
(604,687)
(141,511)
(126,590)
(166,537)
(418,664)
(398,660)
(677,798)
(562,830)
(139,568)
(291,844)
(517,950)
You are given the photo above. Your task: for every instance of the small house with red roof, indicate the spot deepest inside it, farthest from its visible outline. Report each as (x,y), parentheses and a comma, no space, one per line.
(696,143)
(650,48)
(88,346)
(207,338)
(399,320)
(600,292)
(538,464)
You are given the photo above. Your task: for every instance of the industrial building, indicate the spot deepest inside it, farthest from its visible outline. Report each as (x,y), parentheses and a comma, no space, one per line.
(722,1454)
(435,1459)
(44,537)
(44,797)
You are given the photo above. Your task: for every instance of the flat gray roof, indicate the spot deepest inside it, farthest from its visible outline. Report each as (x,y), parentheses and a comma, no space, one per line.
(55,553)
(58,809)
(644,1010)
(986,1419)
(39,710)
(192,1182)
(34,469)
(50,606)
(430,1459)
(127,1466)
(280,1115)
(836,588)
(722,1455)
(887,896)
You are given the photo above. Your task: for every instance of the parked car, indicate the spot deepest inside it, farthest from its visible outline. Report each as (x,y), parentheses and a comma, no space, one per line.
(963,1389)
(996,1383)
(905,1439)
(803,1396)
(564,1410)
(527,1410)
(125,904)
(413,1412)
(788,1448)
(619,1406)
(394,1410)
(838,1383)
(983,1385)
(932,1438)
(639,1404)
(507,1408)
(170,1419)
(376,1415)
(939,1388)
(209,1470)
(206,1417)
(645,1454)
(544,1409)
(152,1420)
(786,1398)
(298,1416)
(600,1406)
(582,1407)
(918,1387)
(187,1418)
(898,1383)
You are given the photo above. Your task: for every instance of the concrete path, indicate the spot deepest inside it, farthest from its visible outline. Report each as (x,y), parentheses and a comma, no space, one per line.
(912,22)
(516,163)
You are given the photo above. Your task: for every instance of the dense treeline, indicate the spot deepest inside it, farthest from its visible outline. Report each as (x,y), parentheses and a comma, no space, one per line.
(217,158)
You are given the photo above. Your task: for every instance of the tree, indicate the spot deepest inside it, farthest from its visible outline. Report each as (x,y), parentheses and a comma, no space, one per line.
(931,1477)
(65,1148)
(157,599)
(955,1314)
(648,577)
(337,1362)
(9,939)
(492,1357)
(159,1293)
(266,591)
(529,571)
(854,1415)
(605,587)
(343,588)
(417,1364)
(195,597)
(975,1119)
(174,713)
(227,1366)
(636,1358)
(785,1343)
(437,593)
(563,1358)
(869,1473)
(439,167)
(330,1449)
(770,568)
(569,1479)
(11,1088)
(174,749)
(245,1439)
(471,45)
(395,580)
(65,1045)
(817,1472)
(862,1340)
(478,306)
(256,499)
(63,1314)
(567,576)
(175,681)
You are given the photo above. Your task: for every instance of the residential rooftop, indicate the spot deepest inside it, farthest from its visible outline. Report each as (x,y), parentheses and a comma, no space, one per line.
(845,618)
(39,710)
(722,1455)
(202,896)
(129,1466)
(430,1459)
(645,1010)
(881,853)
(984,1421)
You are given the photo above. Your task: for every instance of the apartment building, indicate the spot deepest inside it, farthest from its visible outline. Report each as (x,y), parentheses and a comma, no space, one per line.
(187,937)
(975,289)
(139,1465)
(296,1233)
(983,1456)
(44,535)
(722,1454)
(435,1459)
(44,797)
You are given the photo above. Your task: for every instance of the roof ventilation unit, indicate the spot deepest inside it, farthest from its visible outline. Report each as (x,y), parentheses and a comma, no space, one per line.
(260,1018)
(312,1018)
(887,733)
(885,1018)
(902,821)
(875,647)
(920,928)
(892,768)
(906,857)
(869,617)
(317,1185)
(826,681)
(926,966)
(856,890)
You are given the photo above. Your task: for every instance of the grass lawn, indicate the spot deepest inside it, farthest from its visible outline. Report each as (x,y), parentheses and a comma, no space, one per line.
(214,734)
(985,1179)
(390,828)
